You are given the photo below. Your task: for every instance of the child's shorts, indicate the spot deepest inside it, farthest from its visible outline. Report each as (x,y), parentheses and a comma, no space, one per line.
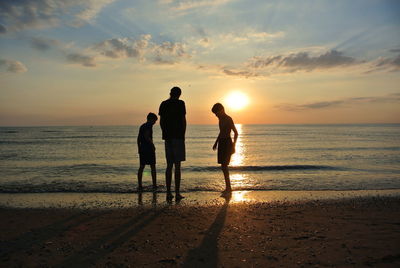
(147,157)
(225,150)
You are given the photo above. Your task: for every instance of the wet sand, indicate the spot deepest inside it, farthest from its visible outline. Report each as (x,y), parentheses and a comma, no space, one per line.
(347,232)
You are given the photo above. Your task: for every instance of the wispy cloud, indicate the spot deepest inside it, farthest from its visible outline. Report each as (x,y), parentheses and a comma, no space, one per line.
(169,53)
(12,66)
(391,98)
(303,61)
(26,14)
(389,63)
(123,47)
(89,11)
(43,44)
(3,29)
(81,59)
(244,74)
(250,35)
(144,49)
(185,5)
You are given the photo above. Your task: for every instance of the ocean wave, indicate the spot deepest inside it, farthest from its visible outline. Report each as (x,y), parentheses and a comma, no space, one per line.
(9,131)
(266,168)
(104,169)
(10,156)
(125,188)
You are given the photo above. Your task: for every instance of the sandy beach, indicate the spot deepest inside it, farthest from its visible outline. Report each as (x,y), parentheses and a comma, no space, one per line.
(347,232)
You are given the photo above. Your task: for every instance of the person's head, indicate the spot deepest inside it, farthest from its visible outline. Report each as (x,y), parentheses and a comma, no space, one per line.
(152,118)
(218,109)
(175,93)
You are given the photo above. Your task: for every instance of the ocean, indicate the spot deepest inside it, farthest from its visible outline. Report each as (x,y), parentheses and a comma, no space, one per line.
(104,159)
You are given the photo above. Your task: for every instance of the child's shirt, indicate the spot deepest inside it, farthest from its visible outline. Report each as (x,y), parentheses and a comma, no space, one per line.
(144,144)
(225,126)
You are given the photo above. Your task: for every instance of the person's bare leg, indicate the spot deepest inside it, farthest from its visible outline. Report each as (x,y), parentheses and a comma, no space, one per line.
(178,180)
(154,176)
(225,170)
(168,179)
(139,176)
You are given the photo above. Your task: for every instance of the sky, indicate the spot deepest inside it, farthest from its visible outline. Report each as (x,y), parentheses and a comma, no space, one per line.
(110,62)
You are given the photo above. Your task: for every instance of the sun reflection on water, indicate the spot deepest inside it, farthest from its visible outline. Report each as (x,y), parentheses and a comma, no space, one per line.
(238,156)
(239,196)
(239,180)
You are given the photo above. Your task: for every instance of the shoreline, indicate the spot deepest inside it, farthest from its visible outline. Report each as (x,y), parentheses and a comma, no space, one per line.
(200,198)
(346,232)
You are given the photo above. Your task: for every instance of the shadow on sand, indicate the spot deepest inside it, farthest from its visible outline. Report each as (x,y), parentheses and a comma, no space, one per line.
(103,246)
(206,254)
(41,235)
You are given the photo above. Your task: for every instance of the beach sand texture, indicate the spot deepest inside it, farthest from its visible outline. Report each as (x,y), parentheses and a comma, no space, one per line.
(358,232)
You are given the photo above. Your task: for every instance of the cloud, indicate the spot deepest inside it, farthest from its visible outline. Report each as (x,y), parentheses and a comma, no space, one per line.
(245,74)
(43,44)
(3,29)
(142,49)
(84,60)
(186,5)
(169,53)
(391,64)
(303,61)
(395,97)
(250,35)
(12,66)
(90,10)
(26,14)
(123,47)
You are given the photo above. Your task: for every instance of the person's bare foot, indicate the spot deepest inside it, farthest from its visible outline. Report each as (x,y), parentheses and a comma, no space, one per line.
(226,193)
(169,196)
(179,197)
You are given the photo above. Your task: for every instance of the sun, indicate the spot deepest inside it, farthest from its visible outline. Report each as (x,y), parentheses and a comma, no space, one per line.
(236,100)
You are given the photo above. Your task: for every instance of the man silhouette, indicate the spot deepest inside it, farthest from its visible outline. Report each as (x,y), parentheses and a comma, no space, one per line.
(173,125)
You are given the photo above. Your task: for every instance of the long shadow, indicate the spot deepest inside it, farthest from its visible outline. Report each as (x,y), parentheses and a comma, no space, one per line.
(40,235)
(98,249)
(206,254)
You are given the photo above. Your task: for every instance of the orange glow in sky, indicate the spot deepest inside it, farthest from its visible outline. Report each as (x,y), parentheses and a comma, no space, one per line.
(121,58)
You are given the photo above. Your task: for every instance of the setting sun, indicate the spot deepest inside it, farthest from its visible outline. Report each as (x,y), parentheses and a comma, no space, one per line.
(237,100)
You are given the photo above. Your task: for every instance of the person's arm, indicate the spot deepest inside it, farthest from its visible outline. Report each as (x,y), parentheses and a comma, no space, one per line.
(236,134)
(235,137)
(161,113)
(184,117)
(148,138)
(138,144)
(184,124)
(216,143)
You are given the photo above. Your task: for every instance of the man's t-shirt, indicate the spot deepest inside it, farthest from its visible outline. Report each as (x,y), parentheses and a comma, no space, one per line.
(172,113)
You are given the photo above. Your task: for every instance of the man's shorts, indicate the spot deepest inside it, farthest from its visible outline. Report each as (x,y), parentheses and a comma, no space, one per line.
(175,150)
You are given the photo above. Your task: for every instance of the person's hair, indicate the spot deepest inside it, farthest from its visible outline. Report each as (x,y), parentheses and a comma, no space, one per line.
(175,92)
(217,108)
(152,116)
